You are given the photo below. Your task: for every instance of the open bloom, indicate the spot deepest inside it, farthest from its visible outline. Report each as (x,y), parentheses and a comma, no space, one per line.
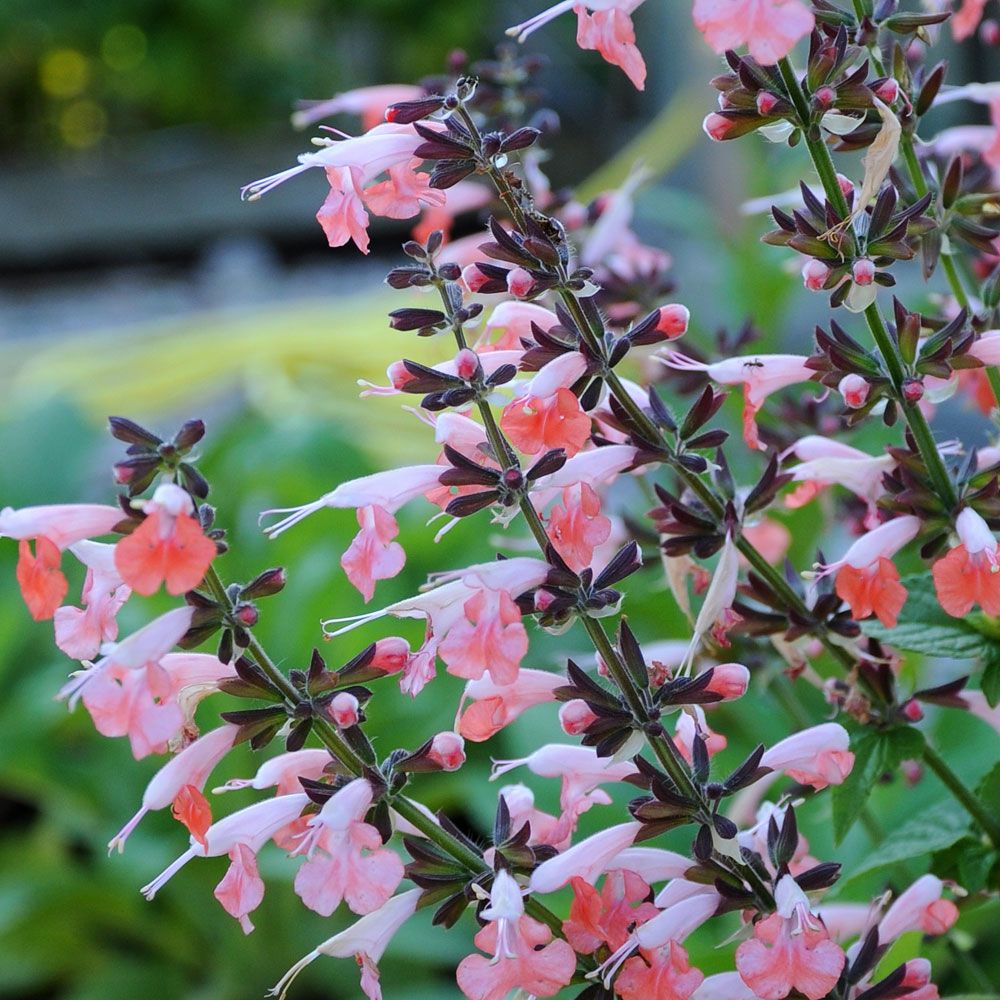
(497,705)
(352,165)
(759,375)
(970,573)
(346,858)
(919,908)
(514,322)
(866,577)
(490,637)
(168,547)
(52,528)
(769,28)
(369,103)
(604,25)
(365,941)
(524,955)
(790,950)
(80,633)
(535,423)
(577,527)
(817,756)
(664,973)
(607,917)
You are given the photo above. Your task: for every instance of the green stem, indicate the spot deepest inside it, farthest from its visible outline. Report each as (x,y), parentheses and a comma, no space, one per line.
(986,821)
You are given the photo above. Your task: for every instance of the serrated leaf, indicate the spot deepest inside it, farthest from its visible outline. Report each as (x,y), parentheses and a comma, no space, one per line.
(875,753)
(934,830)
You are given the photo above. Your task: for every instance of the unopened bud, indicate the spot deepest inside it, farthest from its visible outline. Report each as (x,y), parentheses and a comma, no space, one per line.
(855,391)
(344,710)
(520,282)
(717,126)
(729,681)
(814,274)
(913,390)
(391,654)
(887,90)
(246,614)
(912,711)
(447,751)
(912,771)
(845,184)
(989,32)
(405,112)
(917,974)
(673,321)
(766,102)
(399,375)
(825,96)
(473,278)
(575,716)
(466,364)
(863,271)
(266,584)
(543,599)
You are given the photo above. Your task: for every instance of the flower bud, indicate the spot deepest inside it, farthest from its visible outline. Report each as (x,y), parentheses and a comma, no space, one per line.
(989,32)
(729,681)
(917,974)
(716,126)
(543,599)
(845,184)
(466,364)
(825,96)
(673,321)
(405,112)
(519,282)
(447,751)
(266,584)
(814,274)
(855,391)
(399,375)
(913,390)
(246,614)
(863,271)
(887,90)
(766,102)
(391,654)
(344,710)
(473,278)
(575,716)
(912,711)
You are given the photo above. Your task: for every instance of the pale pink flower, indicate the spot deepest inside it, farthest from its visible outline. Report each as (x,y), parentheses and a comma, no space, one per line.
(460,198)
(769,28)
(241,890)
(283,772)
(760,375)
(81,633)
(920,908)
(346,858)
(724,986)
(490,637)
(561,372)
(966,19)
(716,615)
(790,950)
(344,709)
(545,828)
(524,955)
(253,826)
(191,766)
(608,29)
(617,208)
(497,705)
(365,941)
(652,864)
(596,467)
(514,321)
(692,722)
(575,717)
(818,756)
(369,103)
(372,554)
(587,860)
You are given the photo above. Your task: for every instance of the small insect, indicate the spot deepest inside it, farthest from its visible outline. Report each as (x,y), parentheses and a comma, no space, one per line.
(753,364)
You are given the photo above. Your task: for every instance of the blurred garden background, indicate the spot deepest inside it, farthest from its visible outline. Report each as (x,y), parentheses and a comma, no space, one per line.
(133,281)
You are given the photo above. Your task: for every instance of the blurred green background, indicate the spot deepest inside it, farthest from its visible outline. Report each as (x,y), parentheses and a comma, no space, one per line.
(132,281)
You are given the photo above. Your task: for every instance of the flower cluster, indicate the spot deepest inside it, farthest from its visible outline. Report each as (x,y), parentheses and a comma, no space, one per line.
(535,426)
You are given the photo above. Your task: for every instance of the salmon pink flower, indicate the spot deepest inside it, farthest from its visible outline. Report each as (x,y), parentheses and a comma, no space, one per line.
(759,375)
(372,554)
(966,19)
(497,705)
(608,29)
(369,103)
(724,986)
(867,580)
(191,809)
(168,547)
(365,941)
(524,955)
(970,573)
(489,638)
(790,950)
(607,917)
(346,858)
(769,28)
(535,424)
(817,756)
(664,973)
(81,633)
(578,527)
(53,528)
(241,890)
(190,768)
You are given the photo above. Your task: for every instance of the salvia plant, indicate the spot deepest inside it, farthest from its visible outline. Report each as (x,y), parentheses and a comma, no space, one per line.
(537,424)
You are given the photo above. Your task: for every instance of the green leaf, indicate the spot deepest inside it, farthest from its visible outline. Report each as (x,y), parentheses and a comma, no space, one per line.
(924,627)
(991,674)
(933,830)
(875,753)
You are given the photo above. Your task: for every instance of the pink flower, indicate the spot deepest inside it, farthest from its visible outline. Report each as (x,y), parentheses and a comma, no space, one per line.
(191,767)
(536,424)
(241,890)
(514,320)
(53,528)
(81,633)
(609,30)
(168,547)
(817,756)
(814,274)
(606,917)
(760,376)
(283,772)
(919,908)
(664,973)
(724,986)
(575,717)
(497,705)
(556,831)
(346,858)
(970,573)
(769,28)
(578,527)
(365,941)
(489,638)
(372,554)
(460,198)
(790,950)
(253,826)
(369,103)
(587,860)
(447,751)
(966,19)
(524,955)
(344,710)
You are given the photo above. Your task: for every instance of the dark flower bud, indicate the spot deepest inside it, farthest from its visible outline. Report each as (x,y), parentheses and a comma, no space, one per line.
(266,584)
(406,112)
(414,319)
(132,433)
(191,432)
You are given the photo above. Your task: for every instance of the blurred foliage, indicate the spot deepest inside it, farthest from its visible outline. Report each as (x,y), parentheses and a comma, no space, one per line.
(75,71)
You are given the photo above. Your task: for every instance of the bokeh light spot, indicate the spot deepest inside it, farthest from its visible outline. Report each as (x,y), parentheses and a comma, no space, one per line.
(123,47)
(63,73)
(82,124)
